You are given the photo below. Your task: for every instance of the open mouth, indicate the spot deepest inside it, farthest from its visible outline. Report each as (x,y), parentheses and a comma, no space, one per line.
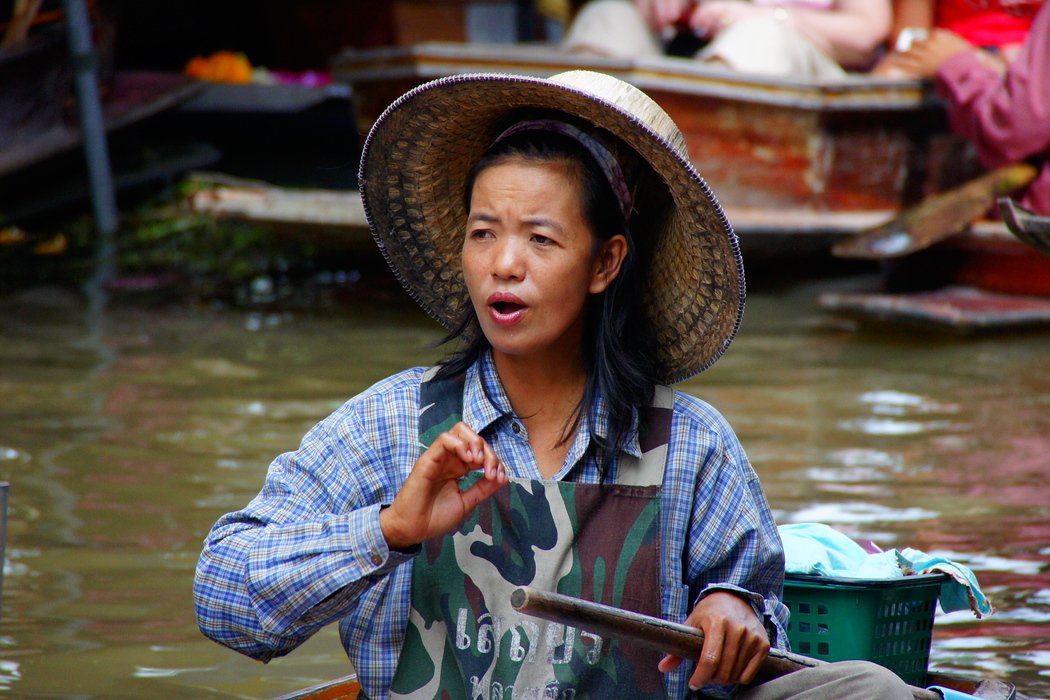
(506,307)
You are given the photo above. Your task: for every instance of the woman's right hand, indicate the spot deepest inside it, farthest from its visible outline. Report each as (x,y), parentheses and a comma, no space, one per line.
(430,502)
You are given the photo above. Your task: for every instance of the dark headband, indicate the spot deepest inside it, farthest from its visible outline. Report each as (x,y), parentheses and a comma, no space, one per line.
(602,155)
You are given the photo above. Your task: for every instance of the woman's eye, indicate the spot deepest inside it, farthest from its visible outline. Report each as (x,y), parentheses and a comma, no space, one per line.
(479,233)
(540,238)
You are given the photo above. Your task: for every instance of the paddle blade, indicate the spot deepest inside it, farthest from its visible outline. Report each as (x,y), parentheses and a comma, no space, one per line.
(1028,226)
(935,218)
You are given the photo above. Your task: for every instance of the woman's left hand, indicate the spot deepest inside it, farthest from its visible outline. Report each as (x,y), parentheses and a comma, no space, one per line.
(735,641)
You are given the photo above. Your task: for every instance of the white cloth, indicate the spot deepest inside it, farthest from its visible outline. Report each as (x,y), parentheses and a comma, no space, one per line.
(768,46)
(762,45)
(612,28)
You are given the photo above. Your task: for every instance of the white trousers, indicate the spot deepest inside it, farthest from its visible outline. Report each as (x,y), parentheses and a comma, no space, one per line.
(761,45)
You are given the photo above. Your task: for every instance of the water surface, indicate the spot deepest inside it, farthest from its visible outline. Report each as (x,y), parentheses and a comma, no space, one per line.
(126,435)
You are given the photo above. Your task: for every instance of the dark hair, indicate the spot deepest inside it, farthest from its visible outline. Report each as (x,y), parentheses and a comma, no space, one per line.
(620,364)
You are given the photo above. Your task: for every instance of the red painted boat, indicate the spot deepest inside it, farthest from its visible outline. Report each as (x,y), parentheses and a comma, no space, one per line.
(796,164)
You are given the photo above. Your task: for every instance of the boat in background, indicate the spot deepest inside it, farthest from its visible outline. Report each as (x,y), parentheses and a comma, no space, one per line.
(796,164)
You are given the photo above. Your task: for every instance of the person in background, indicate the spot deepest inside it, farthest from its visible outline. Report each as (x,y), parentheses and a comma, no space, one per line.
(1002,107)
(801,39)
(998,26)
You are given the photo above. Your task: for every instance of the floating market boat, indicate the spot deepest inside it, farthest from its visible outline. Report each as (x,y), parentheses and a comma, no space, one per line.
(796,164)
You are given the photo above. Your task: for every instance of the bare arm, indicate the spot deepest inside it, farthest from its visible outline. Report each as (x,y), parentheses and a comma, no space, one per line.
(911,13)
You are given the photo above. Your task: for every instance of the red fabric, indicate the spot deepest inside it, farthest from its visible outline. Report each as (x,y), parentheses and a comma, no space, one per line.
(987,22)
(1006,117)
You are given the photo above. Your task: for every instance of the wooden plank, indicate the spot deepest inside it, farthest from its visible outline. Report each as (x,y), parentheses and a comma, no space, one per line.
(958,308)
(226,197)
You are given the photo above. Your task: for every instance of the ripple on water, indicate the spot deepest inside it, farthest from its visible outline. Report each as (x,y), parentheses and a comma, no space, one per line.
(886,426)
(11,454)
(864,457)
(989,562)
(898,402)
(858,512)
(10,672)
(148,672)
(897,413)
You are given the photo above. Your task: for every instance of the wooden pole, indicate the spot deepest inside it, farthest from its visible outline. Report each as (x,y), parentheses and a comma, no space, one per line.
(680,640)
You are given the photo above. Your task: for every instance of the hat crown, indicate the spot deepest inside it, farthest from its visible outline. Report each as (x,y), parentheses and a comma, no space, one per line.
(626,98)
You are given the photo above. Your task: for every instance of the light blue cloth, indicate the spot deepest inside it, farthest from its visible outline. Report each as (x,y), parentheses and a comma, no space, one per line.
(949,694)
(814,548)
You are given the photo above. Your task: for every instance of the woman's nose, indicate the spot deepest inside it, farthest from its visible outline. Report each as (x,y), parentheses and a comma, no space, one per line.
(508,261)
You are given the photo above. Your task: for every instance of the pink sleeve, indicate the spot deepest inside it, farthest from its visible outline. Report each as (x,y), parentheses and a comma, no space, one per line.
(1007,118)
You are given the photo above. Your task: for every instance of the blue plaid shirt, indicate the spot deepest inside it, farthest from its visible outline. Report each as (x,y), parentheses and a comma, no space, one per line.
(308,550)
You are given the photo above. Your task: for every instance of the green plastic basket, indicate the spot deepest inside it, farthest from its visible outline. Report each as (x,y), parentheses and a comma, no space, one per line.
(888,621)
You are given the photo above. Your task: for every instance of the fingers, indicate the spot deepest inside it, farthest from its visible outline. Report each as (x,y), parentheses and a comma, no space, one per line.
(669,663)
(430,502)
(709,665)
(754,663)
(483,488)
(464,443)
(456,452)
(728,657)
(735,641)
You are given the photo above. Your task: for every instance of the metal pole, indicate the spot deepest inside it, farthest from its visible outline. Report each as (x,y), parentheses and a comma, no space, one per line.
(92,129)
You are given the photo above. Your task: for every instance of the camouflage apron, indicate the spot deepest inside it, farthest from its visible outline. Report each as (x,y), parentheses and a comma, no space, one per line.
(599,542)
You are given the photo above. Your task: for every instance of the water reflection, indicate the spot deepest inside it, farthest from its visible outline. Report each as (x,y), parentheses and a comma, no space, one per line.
(125,437)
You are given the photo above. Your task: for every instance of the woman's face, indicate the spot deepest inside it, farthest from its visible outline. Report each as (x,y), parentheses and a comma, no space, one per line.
(529,258)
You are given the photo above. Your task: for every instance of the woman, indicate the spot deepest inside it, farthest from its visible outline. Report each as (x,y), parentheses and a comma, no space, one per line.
(558,229)
(1001,106)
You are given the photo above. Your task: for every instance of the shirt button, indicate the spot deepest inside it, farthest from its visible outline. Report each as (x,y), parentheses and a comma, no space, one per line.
(515,427)
(377,558)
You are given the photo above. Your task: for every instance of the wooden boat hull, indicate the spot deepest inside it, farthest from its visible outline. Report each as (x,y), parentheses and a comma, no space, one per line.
(347,688)
(809,159)
(986,279)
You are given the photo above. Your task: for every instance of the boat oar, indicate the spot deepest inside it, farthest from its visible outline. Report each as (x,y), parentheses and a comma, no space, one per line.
(1028,226)
(937,217)
(680,640)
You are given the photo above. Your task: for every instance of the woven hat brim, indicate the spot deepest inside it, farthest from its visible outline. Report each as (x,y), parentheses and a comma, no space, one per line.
(416,160)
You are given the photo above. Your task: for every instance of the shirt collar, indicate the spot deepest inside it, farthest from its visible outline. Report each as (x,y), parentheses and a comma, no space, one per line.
(485,402)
